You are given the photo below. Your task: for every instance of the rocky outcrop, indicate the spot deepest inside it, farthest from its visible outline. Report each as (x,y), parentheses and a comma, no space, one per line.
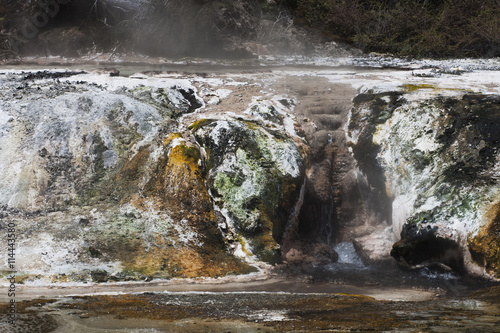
(435,161)
(255,178)
(159,175)
(102,182)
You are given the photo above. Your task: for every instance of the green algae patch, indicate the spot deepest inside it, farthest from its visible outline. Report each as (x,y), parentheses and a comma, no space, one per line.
(415,87)
(409,88)
(199,123)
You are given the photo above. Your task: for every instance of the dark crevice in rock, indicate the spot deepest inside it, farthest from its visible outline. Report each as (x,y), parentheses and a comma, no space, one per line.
(323,110)
(190,96)
(421,246)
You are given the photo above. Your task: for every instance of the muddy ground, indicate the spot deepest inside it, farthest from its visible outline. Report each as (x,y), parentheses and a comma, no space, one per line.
(257,306)
(375,299)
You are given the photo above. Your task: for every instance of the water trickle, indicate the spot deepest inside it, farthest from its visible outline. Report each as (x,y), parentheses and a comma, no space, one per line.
(349,260)
(347,254)
(433,274)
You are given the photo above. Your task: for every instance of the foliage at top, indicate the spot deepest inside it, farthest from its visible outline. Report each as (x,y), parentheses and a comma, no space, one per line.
(418,28)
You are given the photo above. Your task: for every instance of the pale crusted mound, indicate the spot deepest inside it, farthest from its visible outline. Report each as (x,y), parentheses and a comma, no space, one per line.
(102,181)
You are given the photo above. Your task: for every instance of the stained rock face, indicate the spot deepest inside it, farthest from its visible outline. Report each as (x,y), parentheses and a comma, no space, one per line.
(437,161)
(189,244)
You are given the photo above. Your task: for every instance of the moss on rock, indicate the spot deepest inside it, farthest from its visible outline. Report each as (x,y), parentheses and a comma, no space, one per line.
(193,245)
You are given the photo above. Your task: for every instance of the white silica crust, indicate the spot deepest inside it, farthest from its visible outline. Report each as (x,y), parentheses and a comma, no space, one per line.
(415,165)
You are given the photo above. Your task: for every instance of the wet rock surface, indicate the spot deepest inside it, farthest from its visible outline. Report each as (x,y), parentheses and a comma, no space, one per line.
(104,182)
(88,176)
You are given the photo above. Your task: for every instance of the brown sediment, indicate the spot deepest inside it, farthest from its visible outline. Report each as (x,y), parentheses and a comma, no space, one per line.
(319,312)
(28,318)
(186,263)
(276,312)
(485,247)
(125,181)
(490,295)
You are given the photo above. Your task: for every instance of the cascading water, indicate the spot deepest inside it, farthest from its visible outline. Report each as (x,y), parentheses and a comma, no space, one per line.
(348,259)
(348,255)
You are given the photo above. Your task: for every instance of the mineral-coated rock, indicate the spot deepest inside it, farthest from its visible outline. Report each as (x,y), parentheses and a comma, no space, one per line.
(99,185)
(103,182)
(437,160)
(255,177)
